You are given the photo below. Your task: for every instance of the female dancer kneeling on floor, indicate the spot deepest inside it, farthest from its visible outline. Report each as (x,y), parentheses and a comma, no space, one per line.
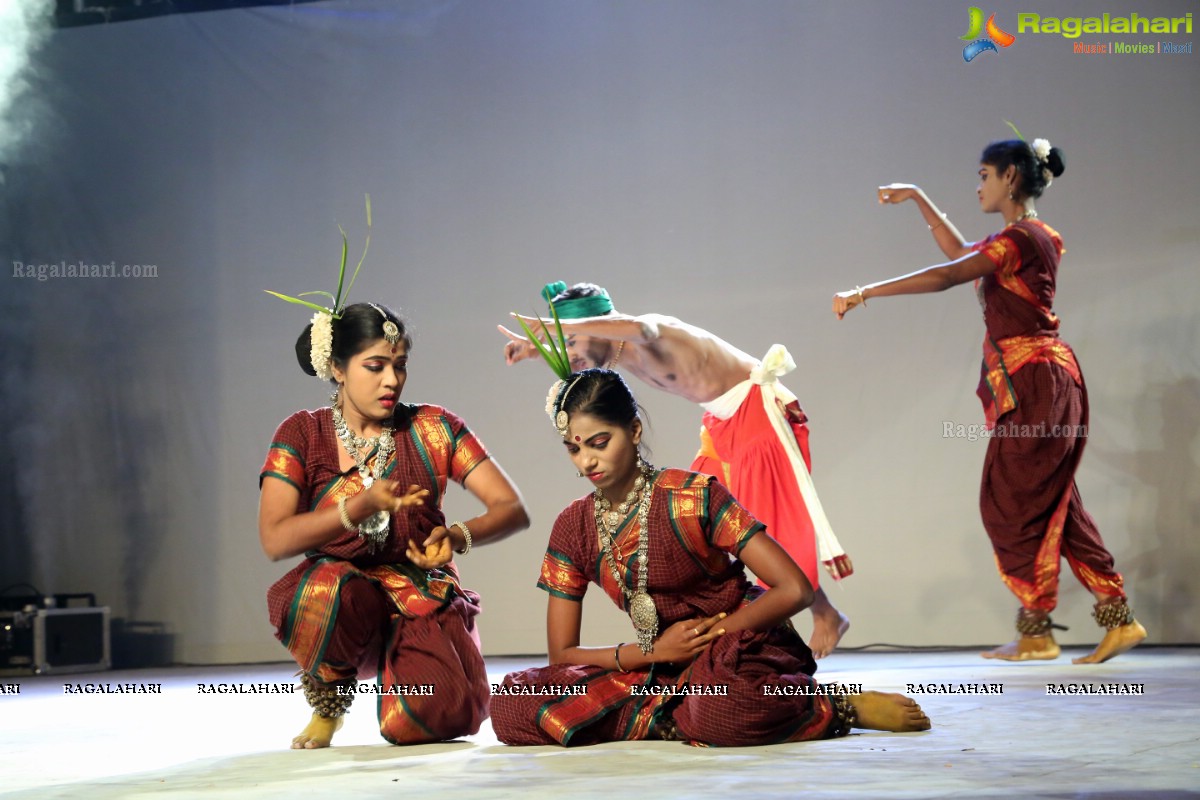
(357,488)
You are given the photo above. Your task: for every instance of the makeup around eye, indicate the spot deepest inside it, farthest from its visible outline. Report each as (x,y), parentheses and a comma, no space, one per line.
(377,364)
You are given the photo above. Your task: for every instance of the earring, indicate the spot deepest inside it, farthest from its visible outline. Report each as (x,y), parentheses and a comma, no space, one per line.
(578,474)
(333,398)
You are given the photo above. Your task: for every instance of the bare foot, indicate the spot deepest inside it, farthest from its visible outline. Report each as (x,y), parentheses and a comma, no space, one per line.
(318,733)
(885,711)
(829,626)
(1027,648)
(1115,642)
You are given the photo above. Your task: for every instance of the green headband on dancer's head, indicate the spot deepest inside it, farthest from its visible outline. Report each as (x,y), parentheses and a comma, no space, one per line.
(592,305)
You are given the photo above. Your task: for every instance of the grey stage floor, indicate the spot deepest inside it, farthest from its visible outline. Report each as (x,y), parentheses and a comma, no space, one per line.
(1022,743)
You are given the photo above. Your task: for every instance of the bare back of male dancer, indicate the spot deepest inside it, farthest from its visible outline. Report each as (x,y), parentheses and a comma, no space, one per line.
(679,358)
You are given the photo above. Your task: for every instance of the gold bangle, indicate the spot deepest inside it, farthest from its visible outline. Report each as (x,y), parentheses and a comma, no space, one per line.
(462,526)
(617,657)
(862,297)
(941,222)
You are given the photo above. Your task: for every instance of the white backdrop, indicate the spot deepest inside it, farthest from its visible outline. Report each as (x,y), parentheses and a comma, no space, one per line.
(712,160)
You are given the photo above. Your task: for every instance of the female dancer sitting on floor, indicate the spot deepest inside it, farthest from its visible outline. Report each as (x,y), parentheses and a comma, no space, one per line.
(716,661)
(357,488)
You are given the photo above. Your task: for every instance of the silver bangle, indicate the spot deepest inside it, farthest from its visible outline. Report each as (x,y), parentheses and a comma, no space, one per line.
(347,523)
(462,526)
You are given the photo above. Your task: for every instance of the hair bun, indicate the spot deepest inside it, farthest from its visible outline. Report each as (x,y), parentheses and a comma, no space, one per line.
(304,351)
(1055,162)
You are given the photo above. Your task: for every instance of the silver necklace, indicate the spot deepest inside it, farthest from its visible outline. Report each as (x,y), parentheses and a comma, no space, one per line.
(374,529)
(614,517)
(642,611)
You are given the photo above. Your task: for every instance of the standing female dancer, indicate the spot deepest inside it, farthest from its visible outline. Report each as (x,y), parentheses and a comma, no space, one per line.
(1033,395)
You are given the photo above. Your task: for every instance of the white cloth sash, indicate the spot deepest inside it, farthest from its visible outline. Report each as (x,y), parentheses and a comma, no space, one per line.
(775,396)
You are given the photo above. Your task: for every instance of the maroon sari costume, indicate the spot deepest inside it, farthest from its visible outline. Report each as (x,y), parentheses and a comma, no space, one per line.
(1036,405)
(696,531)
(347,612)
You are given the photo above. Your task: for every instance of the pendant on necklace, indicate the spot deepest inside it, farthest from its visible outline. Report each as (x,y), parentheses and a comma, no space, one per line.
(643,612)
(644,616)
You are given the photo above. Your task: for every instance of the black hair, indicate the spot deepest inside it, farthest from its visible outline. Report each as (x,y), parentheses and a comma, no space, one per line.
(579,290)
(601,393)
(360,325)
(605,395)
(1019,154)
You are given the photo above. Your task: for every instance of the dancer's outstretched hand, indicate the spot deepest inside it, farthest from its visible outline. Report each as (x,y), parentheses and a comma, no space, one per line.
(518,347)
(844,301)
(897,192)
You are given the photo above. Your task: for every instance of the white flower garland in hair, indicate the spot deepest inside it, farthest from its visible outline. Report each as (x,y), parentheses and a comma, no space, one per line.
(321,339)
(551,397)
(1041,151)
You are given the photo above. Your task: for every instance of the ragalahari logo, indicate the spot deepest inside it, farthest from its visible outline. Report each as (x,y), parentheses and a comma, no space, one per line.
(995,36)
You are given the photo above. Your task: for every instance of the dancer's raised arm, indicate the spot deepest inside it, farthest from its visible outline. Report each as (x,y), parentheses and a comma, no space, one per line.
(944,233)
(937,278)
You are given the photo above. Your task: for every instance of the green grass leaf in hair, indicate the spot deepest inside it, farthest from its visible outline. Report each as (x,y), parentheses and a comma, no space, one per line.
(562,340)
(560,348)
(557,359)
(298,301)
(550,357)
(1014,130)
(339,299)
(366,247)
